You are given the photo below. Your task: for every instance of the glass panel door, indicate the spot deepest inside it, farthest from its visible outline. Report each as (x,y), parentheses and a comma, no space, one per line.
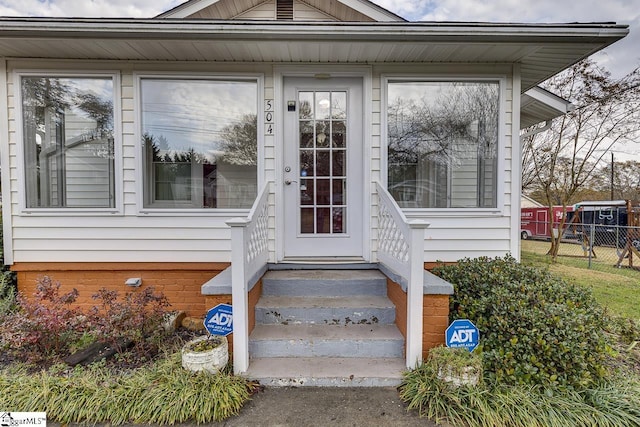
(322,155)
(322,176)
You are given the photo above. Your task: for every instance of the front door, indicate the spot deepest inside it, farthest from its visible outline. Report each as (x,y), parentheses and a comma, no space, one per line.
(323,168)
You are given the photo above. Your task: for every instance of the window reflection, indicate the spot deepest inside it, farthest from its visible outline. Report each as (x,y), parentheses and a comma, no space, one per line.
(442,143)
(68,141)
(199,142)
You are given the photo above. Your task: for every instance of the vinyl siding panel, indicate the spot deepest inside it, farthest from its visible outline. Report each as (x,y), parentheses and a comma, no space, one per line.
(266,10)
(131,236)
(305,12)
(126,235)
(301,12)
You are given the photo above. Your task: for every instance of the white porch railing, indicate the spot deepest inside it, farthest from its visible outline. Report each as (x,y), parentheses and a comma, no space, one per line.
(401,250)
(249,256)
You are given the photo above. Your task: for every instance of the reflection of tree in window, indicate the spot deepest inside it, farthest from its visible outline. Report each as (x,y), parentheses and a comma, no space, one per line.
(442,143)
(201,179)
(68,137)
(240,142)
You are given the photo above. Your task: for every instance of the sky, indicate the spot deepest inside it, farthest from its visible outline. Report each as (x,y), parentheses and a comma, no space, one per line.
(619,59)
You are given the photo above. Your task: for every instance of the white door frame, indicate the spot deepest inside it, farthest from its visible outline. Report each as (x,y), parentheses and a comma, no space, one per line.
(320,72)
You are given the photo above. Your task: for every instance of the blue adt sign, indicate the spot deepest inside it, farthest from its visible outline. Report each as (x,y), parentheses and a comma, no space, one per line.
(219,320)
(462,333)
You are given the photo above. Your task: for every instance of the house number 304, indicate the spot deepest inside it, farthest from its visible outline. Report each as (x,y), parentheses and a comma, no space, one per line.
(268,116)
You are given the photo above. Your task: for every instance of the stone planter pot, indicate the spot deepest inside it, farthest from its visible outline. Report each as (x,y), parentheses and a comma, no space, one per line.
(467,375)
(456,366)
(211,359)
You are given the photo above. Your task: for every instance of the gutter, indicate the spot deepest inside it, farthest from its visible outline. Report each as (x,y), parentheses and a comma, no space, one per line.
(277,30)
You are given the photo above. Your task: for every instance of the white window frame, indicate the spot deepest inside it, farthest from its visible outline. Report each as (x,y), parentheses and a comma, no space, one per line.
(502,139)
(118,175)
(258,78)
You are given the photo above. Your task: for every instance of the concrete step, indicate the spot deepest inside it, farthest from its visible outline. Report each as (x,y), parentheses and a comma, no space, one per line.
(350,310)
(373,341)
(324,283)
(327,372)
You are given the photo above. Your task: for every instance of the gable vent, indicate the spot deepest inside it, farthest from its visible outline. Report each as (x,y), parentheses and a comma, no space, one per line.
(284,10)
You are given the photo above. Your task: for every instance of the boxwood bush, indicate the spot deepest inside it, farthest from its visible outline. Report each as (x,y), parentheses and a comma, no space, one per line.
(535,328)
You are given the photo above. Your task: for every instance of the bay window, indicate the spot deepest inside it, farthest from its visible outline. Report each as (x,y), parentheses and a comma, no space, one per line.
(442,143)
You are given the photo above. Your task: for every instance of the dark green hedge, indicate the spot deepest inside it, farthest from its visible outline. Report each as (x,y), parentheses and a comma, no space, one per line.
(535,328)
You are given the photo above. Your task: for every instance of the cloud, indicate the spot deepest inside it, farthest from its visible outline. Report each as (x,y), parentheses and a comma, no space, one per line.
(405,8)
(86,8)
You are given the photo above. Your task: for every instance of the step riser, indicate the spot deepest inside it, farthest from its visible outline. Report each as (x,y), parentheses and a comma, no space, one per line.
(323,288)
(325,316)
(328,382)
(326,348)
(324,283)
(327,372)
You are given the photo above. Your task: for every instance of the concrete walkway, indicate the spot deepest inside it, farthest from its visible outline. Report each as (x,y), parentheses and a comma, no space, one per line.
(318,406)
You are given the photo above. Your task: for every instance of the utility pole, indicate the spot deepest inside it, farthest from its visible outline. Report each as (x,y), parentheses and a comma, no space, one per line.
(611,176)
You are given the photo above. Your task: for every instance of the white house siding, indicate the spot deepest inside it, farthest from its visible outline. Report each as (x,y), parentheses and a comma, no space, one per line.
(304,12)
(455,233)
(87,182)
(301,12)
(129,236)
(266,10)
(126,235)
(87,163)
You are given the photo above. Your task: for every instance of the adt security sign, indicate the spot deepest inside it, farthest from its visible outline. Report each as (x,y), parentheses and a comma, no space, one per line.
(462,333)
(219,320)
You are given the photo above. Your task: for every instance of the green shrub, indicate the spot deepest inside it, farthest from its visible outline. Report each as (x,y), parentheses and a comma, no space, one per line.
(534,327)
(8,303)
(628,330)
(162,393)
(8,285)
(604,404)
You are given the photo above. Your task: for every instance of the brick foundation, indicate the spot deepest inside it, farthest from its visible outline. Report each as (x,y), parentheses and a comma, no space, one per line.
(435,316)
(254,295)
(179,282)
(435,321)
(399,298)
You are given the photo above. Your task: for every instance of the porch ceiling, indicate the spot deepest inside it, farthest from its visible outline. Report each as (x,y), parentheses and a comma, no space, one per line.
(542,50)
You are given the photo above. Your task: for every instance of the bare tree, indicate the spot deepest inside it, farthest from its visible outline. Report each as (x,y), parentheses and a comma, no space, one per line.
(240,141)
(559,161)
(625,184)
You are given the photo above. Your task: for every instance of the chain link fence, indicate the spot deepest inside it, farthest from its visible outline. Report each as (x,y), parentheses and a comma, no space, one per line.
(597,245)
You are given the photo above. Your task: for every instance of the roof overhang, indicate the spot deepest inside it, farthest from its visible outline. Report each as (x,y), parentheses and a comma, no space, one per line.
(542,50)
(538,105)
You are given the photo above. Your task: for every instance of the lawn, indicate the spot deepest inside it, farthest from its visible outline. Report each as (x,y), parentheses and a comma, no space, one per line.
(617,289)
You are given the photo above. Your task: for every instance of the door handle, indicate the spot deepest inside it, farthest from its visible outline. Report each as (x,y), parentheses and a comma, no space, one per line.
(288,181)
